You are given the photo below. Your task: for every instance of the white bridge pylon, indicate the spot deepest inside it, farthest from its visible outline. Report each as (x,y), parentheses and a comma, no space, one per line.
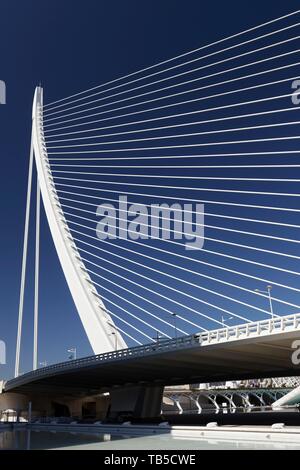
(96,321)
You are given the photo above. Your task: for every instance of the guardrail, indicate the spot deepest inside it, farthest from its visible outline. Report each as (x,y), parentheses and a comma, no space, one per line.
(272,325)
(160,346)
(247,330)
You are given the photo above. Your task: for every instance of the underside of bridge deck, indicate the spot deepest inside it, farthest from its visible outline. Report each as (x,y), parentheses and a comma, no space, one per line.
(264,356)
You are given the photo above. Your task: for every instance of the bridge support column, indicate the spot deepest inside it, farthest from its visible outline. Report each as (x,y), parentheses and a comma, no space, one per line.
(138,402)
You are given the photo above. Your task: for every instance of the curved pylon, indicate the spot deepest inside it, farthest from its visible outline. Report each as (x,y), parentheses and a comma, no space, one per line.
(95,319)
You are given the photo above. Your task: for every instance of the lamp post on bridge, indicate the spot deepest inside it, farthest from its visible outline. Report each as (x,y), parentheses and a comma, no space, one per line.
(73,354)
(224,320)
(159,338)
(268,291)
(174,315)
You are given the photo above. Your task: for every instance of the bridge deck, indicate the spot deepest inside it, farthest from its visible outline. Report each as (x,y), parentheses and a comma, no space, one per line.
(254,350)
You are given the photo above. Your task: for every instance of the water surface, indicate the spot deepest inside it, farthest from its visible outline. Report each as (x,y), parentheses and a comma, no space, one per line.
(29,439)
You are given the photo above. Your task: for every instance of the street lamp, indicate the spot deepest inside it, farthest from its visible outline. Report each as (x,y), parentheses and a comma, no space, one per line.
(175,323)
(43,364)
(159,337)
(268,291)
(223,320)
(73,354)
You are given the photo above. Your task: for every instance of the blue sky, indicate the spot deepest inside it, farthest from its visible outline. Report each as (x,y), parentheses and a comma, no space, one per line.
(69,46)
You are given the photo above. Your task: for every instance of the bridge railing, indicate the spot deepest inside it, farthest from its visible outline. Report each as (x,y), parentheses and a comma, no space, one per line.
(264,327)
(269,326)
(139,351)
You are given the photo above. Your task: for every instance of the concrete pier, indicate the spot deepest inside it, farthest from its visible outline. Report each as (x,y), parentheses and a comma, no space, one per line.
(139,402)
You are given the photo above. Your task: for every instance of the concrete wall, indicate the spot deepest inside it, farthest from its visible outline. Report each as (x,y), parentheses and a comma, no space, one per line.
(136,401)
(101,402)
(43,405)
(142,401)
(14,401)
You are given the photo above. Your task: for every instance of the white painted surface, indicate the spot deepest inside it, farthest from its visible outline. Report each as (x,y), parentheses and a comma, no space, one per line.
(90,307)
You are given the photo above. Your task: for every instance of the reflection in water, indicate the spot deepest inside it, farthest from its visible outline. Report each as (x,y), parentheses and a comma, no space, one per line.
(29,439)
(225,410)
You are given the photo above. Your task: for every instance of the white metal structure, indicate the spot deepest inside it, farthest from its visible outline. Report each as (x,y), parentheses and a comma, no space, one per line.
(90,307)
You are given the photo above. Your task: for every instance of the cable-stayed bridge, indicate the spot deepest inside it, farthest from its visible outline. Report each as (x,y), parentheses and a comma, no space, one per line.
(172,196)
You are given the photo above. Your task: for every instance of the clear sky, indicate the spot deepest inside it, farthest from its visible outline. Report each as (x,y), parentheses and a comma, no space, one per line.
(68,46)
